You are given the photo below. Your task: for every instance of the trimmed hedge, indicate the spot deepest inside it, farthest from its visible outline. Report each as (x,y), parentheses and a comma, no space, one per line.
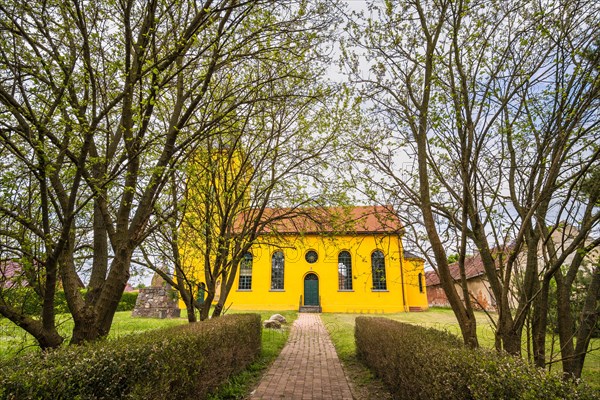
(127,302)
(182,362)
(425,363)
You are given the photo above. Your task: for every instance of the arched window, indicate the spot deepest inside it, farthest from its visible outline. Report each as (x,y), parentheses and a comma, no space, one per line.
(378,268)
(277,264)
(345,271)
(420,283)
(246,272)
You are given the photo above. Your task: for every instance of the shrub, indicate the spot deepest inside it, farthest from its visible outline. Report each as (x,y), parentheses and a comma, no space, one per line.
(24,299)
(127,302)
(60,302)
(422,363)
(181,362)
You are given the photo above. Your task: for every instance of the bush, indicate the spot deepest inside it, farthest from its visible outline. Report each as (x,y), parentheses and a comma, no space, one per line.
(60,302)
(421,363)
(127,302)
(181,362)
(24,299)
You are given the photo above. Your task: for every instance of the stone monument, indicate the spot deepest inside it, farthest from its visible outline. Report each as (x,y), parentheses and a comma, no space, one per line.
(157,301)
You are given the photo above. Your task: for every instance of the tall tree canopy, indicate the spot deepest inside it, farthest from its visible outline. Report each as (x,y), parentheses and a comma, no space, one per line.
(497,104)
(100,102)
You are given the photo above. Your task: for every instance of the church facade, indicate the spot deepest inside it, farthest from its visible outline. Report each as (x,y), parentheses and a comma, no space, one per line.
(358,266)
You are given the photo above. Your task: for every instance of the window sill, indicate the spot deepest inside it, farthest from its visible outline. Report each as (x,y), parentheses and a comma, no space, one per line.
(277,290)
(244,290)
(379,290)
(346,290)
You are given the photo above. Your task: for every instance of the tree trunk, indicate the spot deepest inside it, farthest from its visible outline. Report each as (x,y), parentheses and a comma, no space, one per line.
(184,286)
(113,289)
(218,309)
(228,281)
(210,296)
(187,297)
(205,309)
(539,322)
(83,314)
(565,323)
(508,330)
(46,338)
(588,319)
(191,311)
(100,260)
(48,309)
(93,321)
(466,320)
(85,327)
(511,341)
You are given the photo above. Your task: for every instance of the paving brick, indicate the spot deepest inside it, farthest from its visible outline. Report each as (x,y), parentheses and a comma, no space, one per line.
(307,368)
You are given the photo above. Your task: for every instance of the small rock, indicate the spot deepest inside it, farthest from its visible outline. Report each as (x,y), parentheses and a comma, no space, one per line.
(272,324)
(278,317)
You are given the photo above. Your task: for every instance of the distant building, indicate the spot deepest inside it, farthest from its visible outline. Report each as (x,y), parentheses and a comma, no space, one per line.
(478,284)
(129,288)
(10,275)
(479,289)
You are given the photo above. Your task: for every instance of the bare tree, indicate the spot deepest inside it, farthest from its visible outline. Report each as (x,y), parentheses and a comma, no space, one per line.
(101,102)
(404,43)
(265,155)
(496,104)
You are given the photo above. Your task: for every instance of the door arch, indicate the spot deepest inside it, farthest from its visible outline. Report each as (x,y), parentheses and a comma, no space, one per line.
(311,290)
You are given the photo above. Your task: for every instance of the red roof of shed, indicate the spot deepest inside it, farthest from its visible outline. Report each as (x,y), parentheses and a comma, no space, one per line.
(473,268)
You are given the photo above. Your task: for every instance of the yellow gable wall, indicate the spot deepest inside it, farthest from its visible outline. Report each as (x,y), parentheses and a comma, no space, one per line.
(416,295)
(361,299)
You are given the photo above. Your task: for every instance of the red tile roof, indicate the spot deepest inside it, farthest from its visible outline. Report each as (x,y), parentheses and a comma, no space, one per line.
(8,271)
(431,278)
(359,219)
(473,269)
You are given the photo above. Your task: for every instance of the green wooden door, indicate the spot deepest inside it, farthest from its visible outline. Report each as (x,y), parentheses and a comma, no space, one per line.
(311,290)
(201,291)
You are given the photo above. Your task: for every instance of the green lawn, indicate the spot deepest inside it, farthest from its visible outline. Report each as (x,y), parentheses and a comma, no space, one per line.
(14,340)
(341,329)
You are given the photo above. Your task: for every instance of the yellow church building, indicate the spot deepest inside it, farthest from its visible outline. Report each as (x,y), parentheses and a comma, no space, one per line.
(353,265)
(329,259)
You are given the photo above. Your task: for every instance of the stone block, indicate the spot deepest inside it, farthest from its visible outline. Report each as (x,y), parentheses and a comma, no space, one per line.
(272,324)
(278,317)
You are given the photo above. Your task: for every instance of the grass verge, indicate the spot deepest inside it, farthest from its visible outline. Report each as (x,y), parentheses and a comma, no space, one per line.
(363,383)
(240,385)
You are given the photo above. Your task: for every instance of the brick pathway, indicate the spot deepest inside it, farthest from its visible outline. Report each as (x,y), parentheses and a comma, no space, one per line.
(307,368)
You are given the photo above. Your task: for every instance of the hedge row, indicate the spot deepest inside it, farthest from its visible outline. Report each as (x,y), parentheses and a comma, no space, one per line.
(422,363)
(127,302)
(182,362)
